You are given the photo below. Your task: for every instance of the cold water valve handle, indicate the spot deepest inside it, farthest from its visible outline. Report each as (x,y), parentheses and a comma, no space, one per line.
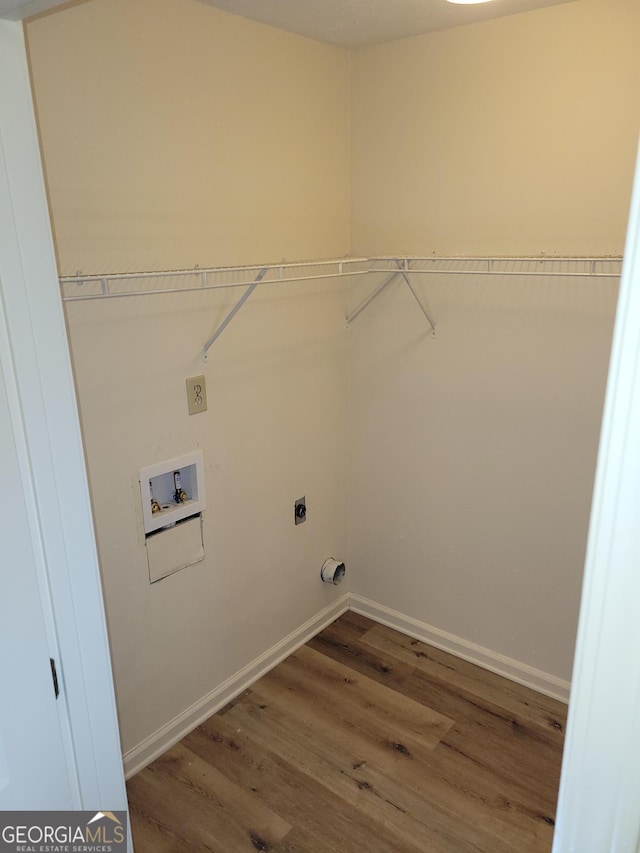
(179,495)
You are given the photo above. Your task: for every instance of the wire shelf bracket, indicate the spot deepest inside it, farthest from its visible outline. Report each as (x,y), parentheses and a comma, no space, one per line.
(245,296)
(403,271)
(352,316)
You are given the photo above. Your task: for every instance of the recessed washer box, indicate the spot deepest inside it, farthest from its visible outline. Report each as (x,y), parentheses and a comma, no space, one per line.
(157,483)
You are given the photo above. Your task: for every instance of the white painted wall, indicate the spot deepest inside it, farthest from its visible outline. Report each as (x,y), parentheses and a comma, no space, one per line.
(513,136)
(225,144)
(191,136)
(276,384)
(473,455)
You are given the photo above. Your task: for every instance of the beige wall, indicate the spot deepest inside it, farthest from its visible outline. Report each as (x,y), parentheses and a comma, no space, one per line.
(513,136)
(276,384)
(175,134)
(473,455)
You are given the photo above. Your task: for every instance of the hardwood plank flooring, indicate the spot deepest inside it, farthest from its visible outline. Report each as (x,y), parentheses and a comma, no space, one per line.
(362,740)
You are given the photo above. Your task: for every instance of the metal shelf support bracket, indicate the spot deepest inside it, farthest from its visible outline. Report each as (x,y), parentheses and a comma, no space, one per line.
(214,337)
(352,316)
(404,269)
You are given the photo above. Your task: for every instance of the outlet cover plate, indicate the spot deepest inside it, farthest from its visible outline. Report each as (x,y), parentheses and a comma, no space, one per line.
(196,395)
(300,510)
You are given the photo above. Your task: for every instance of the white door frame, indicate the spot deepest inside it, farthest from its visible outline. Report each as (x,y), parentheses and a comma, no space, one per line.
(36,357)
(599,803)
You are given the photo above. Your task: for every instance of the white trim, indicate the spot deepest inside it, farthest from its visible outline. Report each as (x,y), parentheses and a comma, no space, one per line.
(165,737)
(599,802)
(56,475)
(512,669)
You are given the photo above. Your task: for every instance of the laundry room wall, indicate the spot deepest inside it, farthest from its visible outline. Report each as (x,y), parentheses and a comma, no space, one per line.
(174,135)
(511,137)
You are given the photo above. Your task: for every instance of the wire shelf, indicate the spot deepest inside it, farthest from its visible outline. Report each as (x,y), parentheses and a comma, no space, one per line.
(117,285)
(150,283)
(572,267)
(81,287)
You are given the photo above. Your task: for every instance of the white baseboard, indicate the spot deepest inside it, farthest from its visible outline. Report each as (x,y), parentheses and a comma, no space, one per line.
(512,669)
(165,737)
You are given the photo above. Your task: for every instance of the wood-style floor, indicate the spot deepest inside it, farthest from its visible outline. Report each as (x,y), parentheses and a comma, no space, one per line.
(363,741)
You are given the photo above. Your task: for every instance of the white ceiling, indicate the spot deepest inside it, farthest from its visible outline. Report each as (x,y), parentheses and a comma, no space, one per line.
(16,10)
(348,23)
(353,23)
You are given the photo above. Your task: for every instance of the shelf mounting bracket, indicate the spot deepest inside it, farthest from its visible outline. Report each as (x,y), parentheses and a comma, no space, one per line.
(403,266)
(214,337)
(352,316)
(403,270)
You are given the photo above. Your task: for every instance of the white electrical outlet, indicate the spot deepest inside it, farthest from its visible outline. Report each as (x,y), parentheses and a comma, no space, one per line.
(196,395)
